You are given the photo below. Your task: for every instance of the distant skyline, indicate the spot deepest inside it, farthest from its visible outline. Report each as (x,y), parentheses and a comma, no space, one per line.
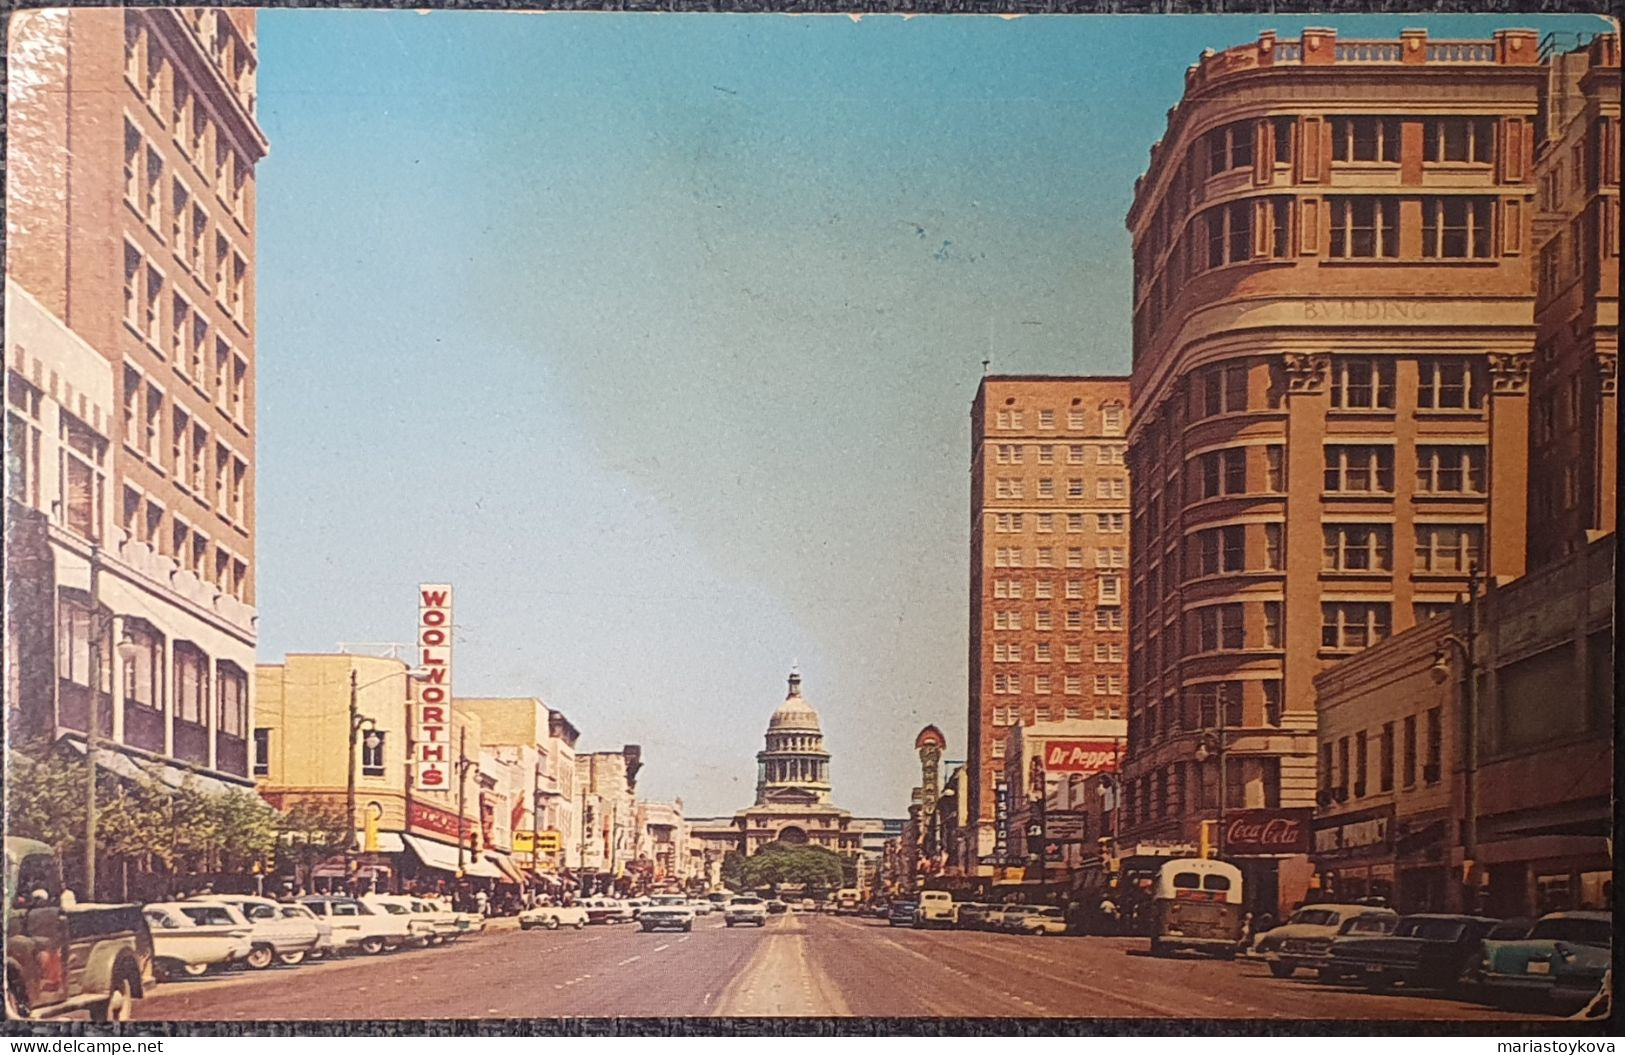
(656,336)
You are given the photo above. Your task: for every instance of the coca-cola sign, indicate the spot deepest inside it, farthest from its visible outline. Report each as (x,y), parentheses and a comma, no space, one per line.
(1267,832)
(1080,756)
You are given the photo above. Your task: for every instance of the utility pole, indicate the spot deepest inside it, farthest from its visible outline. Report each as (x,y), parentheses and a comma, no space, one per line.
(462,786)
(92,726)
(1469,797)
(1218,835)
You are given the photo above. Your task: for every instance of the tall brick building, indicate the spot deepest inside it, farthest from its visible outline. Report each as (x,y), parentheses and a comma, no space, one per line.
(1333,338)
(1048,564)
(1574,426)
(130,384)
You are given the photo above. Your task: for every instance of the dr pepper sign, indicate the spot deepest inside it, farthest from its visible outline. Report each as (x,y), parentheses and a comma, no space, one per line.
(431,743)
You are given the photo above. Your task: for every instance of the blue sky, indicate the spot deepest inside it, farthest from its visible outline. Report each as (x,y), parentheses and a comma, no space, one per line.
(656,335)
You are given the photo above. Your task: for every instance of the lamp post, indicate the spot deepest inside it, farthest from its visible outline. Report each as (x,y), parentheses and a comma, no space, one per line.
(463,764)
(127,652)
(1468,689)
(358,723)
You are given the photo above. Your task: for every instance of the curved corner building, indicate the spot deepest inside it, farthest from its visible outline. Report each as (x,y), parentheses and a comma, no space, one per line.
(1333,328)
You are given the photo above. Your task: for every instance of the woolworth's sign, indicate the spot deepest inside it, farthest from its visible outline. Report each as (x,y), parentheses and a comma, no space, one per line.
(431,734)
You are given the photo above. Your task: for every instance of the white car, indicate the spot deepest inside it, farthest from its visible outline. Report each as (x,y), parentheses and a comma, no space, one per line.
(552,917)
(746,909)
(667,910)
(420,925)
(324,930)
(467,922)
(276,937)
(701,906)
(608,910)
(189,938)
(935,909)
(358,926)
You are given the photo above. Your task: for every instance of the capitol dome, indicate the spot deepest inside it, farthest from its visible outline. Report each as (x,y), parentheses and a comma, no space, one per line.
(795,714)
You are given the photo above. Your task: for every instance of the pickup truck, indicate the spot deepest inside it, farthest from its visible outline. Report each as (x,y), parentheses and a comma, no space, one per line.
(62,956)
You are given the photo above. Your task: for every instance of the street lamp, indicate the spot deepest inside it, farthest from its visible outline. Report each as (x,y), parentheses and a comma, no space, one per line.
(464,763)
(360,723)
(1211,745)
(1468,689)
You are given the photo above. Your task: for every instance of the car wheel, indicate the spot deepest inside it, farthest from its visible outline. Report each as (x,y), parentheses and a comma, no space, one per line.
(687,927)
(292,959)
(120,1002)
(580,923)
(1282,970)
(552,923)
(260,957)
(195,970)
(372,946)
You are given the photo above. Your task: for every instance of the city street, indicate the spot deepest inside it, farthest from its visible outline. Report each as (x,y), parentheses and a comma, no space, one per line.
(796,965)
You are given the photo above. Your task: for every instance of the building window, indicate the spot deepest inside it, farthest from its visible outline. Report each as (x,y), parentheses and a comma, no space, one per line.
(1230,147)
(1046,419)
(1074,557)
(1272,547)
(191,683)
(1218,703)
(1041,684)
(1111,557)
(1007,557)
(1448,547)
(1108,652)
(1422,611)
(1046,454)
(1222,390)
(1432,769)
(1111,589)
(1457,227)
(133,275)
(1348,626)
(133,157)
(1074,488)
(1450,469)
(1218,628)
(1272,701)
(1111,522)
(1229,233)
(1074,454)
(1220,550)
(1221,472)
(1007,487)
(1468,139)
(1360,469)
(372,753)
(74,626)
(262,752)
(1009,419)
(1272,624)
(1449,384)
(233,699)
(1046,557)
(1007,454)
(1007,620)
(1362,384)
(1105,619)
(1110,488)
(1362,763)
(83,478)
(1385,761)
(1356,547)
(1407,769)
(1046,488)
(1280,228)
(1365,139)
(1043,590)
(1111,419)
(1364,227)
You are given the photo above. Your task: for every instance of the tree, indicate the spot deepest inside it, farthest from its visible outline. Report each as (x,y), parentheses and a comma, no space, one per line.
(310,832)
(776,862)
(733,870)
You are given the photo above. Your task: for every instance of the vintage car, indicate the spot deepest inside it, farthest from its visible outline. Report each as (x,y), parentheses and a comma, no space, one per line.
(1033,919)
(1305,939)
(358,926)
(608,910)
(1367,926)
(1526,970)
(972,915)
(109,944)
(745,909)
(935,909)
(552,917)
(1425,951)
(667,911)
(275,937)
(191,938)
(420,925)
(902,913)
(324,931)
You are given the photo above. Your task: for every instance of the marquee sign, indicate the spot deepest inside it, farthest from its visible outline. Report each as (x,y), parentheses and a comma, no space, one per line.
(431,742)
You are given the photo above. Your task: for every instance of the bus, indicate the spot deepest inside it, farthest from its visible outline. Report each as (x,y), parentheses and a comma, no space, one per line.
(1196,904)
(848,901)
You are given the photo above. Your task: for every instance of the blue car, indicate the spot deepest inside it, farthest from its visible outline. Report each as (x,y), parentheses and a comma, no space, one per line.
(902,913)
(1559,965)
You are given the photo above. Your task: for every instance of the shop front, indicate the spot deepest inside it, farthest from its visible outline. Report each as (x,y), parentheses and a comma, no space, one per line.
(1353,854)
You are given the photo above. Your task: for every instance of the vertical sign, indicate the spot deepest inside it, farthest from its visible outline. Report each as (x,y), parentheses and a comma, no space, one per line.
(432,732)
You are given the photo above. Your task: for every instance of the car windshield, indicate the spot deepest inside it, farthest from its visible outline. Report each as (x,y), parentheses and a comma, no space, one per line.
(747,901)
(295,912)
(259,911)
(1369,925)
(1046,910)
(670,901)
(1315,917)
(208,915)
(163,919)
(1577,930)
(1430,929)
(394,909)
(1515,929)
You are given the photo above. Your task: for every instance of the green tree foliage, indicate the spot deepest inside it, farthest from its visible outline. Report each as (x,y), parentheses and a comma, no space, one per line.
(310,831)
(776,862)
(733,870)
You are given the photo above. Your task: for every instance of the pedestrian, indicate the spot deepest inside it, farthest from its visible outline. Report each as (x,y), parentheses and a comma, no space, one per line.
(482,902)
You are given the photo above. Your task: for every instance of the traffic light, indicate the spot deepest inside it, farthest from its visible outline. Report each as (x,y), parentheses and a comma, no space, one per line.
(476,839)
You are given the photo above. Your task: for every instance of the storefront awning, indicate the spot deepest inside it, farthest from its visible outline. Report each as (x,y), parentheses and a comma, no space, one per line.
(444,857)
(115,762)
(505,865)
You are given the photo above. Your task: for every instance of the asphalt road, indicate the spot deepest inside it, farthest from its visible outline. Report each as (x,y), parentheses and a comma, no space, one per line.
(796,965)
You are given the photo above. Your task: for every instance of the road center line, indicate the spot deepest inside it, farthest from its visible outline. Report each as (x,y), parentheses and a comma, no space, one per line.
(629,959)
(661,948)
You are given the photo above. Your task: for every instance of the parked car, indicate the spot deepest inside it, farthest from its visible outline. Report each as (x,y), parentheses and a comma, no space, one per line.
(110,944)
(775,907)
(1305,939)
(608,910)
(1366,926)
(324,930)
(746,909)
(467,922)
(702,906)
(190,939)
(275,937)
(1425,951)
(419,925)
(972,915)
(667,912)
(1572,945)
(902,913)
(637,905)
(1034,919)
(552,917)
(356,926)
(997,915)
(935,908)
